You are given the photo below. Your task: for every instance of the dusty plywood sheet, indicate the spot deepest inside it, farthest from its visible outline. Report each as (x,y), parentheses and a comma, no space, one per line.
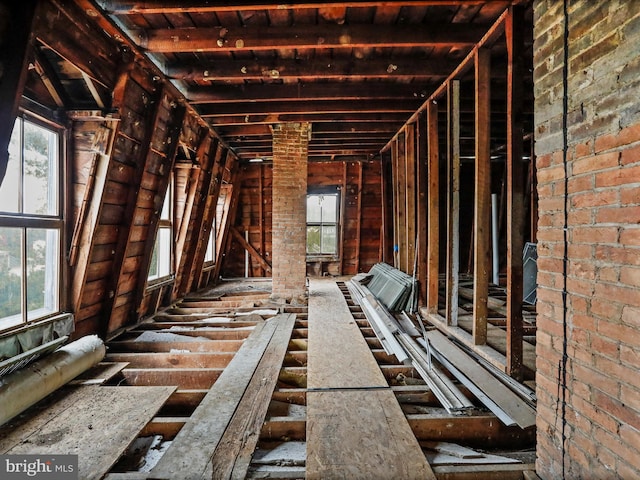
(338,355)
(97,423)
(361,434)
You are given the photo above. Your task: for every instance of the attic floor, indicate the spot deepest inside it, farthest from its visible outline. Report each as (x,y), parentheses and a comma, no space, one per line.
(338,406)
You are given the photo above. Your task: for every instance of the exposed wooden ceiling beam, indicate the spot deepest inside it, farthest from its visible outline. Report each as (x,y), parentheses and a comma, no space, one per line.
(131,7)
(308,107)
(175,40)
(326,128)
(239,70)
(220,120)
(304,92)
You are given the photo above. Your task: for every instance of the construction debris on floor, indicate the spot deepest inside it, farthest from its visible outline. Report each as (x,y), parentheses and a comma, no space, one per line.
(228,384)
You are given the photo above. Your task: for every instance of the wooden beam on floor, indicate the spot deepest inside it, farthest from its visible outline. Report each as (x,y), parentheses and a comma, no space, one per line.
(191,453)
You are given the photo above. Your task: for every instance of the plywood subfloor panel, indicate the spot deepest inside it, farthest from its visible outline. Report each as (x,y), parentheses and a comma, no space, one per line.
(355,426)
(337,354)
(355,434)
(96,423)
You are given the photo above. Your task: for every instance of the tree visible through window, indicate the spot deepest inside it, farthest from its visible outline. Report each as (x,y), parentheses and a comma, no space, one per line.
(30,226)
(322,224)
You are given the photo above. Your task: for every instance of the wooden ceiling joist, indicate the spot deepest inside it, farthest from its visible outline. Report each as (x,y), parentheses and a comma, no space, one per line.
(132,7)
(229,39)
(304,92)
(309,107)
(240,70)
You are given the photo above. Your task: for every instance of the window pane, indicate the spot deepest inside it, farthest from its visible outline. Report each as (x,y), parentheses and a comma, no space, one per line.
(166,210)
(314,210)
(42,272)
(209,255)
(10,188)
(164,252)
(329,210)
(40,170)
(313,239)
(328,239)
(10,276)
(153,266)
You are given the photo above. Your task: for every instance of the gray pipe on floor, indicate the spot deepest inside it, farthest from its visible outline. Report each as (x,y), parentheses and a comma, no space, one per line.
(25,387)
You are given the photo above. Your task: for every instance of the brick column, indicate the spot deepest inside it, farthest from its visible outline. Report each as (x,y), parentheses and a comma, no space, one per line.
(289,216)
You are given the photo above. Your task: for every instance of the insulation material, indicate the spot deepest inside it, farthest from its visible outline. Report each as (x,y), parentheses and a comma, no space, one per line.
(34,335)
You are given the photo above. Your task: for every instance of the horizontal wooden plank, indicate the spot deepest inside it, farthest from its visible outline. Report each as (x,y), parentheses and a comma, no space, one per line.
(173,359)
(197,346)
(482,431)
(179,377)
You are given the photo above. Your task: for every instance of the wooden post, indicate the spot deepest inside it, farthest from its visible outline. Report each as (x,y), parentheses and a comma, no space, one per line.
(422,206)
(343,215)
(515,191)
(359,217)
(401,188)
(433,208)
(453,199)
(482,212)
(410,175)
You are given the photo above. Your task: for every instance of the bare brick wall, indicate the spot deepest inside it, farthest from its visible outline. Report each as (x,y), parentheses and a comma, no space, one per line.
(601,411)
(289,216)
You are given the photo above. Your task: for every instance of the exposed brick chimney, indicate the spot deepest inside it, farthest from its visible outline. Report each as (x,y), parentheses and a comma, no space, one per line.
(289,217)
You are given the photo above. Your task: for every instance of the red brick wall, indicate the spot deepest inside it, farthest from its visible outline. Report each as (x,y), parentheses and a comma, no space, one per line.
(597,409)
(289,218)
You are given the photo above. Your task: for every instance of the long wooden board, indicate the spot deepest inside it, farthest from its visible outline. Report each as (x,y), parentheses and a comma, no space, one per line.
(189,456)
(97,423)
(355,427)
(233,454)
(338,355)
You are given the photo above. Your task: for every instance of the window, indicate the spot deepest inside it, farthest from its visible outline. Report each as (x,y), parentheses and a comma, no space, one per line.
(30,225)
(210,254)
(160,266)
(322,224)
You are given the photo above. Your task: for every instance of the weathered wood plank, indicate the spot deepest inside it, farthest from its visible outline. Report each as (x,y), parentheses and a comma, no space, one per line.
(331,328)
(79,419)
(361,435)
(190,454)
(232,455)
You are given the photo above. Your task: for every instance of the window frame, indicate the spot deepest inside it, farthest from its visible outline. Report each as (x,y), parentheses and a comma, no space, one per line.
(325,191)
(41,221)
(164,224)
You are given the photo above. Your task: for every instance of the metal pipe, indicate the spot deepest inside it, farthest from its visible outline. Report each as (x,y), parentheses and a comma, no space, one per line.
(25,387)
